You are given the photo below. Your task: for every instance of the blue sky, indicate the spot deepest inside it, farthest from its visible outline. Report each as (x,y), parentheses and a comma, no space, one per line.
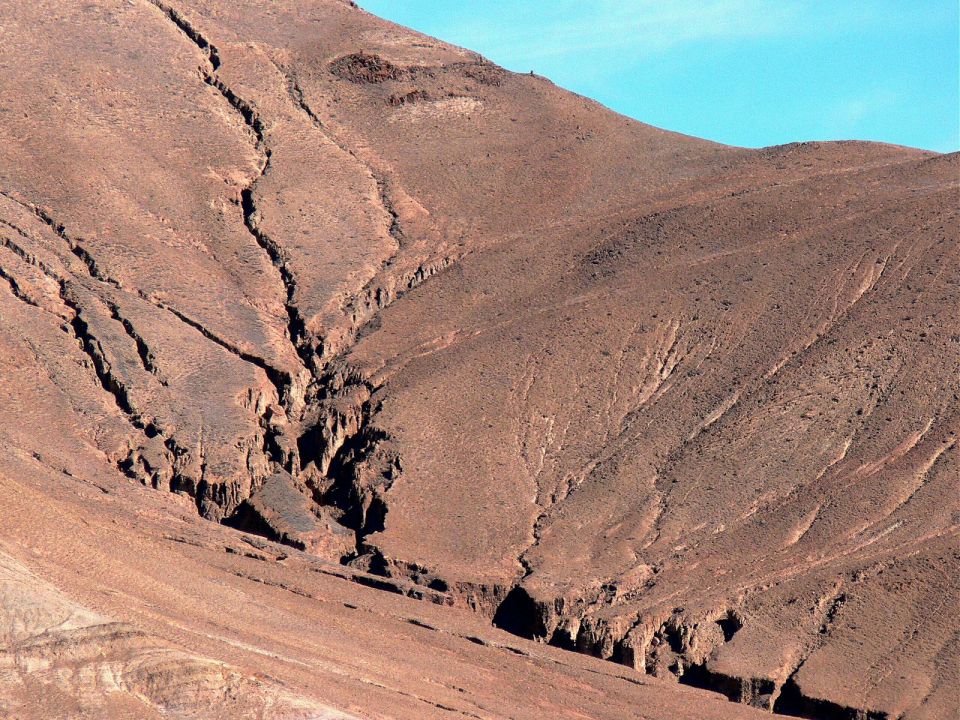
(744,72)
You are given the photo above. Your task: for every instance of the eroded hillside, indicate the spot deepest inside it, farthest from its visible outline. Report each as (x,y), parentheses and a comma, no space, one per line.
(304,312)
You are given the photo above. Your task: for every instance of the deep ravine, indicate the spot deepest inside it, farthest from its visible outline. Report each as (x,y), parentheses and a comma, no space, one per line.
(328,441)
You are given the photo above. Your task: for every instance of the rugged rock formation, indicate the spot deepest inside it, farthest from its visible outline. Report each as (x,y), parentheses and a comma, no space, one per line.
(406,325)
(61,660)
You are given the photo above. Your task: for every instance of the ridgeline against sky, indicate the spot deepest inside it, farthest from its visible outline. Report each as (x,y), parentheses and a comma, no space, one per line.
(345,374)
(744,72)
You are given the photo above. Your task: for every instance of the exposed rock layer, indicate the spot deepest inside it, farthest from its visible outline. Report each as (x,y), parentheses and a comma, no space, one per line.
(685,407)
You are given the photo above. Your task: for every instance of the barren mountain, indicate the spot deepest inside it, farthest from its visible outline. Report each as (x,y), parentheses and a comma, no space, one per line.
(347,374)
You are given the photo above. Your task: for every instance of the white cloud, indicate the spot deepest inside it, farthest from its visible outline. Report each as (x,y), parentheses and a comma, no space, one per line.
(850,112)
(646,27)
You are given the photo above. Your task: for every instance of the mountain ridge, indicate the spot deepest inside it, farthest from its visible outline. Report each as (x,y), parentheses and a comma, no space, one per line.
(456,334)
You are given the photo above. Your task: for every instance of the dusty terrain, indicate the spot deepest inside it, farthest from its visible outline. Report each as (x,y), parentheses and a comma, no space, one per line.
(346,374)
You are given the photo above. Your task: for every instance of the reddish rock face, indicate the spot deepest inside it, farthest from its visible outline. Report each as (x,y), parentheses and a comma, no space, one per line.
(482,385)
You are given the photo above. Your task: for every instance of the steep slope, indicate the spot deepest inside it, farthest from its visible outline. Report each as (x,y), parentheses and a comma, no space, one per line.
(61,660)
(686,407)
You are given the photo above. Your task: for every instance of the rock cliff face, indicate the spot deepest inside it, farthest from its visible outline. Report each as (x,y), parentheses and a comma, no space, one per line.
(405,325)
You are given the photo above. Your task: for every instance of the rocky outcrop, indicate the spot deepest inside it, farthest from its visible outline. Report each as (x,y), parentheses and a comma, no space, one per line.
(58,659)
(281,510)
(403,318)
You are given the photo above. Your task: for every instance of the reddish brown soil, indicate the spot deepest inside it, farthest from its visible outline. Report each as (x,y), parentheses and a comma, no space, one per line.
(484,384)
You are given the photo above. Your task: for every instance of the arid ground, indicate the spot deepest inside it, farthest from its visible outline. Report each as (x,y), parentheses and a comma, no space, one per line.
(345,374)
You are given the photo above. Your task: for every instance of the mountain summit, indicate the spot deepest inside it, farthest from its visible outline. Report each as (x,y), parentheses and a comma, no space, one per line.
(347,374)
